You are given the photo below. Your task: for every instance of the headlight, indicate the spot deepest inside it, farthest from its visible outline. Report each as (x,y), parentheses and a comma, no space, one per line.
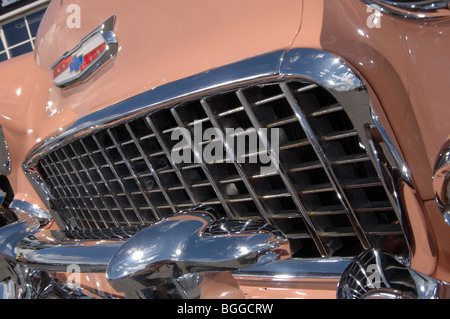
(424,9)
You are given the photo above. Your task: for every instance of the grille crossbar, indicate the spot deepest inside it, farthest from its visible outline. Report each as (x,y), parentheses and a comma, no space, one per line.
(325,195)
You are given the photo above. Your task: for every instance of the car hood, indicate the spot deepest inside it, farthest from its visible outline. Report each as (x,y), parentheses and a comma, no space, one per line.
(160,42)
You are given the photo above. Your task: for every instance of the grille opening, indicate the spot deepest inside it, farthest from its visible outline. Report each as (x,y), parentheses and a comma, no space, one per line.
(245,209)
(119,179)
(350,246)
(304,248)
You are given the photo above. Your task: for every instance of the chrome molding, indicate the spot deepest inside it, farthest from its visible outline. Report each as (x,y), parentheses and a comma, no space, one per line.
(426,9)
(392,170)
(327,165)
(5,167)
(374,274)
(292,268)
(42,250)
(31,212)
(400,164)
(441,183)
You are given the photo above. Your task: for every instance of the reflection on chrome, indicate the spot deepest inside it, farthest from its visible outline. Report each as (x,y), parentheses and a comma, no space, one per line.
(171,258)
(392,169)
(31,213)
(375,274)
(424,9)
(441,185)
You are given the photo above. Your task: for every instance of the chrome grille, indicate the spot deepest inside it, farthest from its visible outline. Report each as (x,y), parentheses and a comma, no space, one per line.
(325,196)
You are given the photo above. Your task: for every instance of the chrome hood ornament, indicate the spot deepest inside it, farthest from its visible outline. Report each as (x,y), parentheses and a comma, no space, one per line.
(174,257)
(93,52)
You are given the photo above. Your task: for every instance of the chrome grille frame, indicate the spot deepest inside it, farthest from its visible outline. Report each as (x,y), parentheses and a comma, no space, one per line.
(317,68)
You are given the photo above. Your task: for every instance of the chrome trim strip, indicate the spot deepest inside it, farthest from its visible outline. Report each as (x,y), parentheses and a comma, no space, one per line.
(5,161)
(19,206)
(399,162)
(441,183)
(414,9)
(391,169)
(88,174)
(326,165)
(85,204)
(326,268)
(231,154)
(418,5)
(41,250)
(196,152)
(152,170)
(175,166)
(116,175)
(283,175)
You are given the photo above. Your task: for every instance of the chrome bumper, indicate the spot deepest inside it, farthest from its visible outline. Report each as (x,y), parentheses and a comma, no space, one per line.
(170,259)
(186,256)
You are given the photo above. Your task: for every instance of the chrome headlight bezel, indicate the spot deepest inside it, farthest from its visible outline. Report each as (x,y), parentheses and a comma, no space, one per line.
(426,9)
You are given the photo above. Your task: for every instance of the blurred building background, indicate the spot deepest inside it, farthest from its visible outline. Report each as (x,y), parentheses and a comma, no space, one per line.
(19,21)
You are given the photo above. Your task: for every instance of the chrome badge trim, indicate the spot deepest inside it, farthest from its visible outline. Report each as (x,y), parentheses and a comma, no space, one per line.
(93,52)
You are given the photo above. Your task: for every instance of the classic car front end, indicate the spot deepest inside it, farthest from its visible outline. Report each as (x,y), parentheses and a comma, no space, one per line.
(228,149)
